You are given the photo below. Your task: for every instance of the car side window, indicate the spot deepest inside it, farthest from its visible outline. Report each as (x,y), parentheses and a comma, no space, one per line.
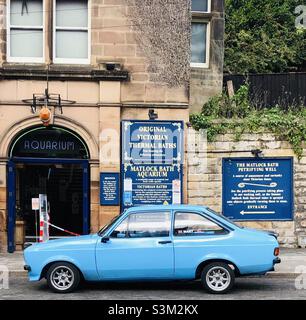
(144,225)
(194,224)
(121,230)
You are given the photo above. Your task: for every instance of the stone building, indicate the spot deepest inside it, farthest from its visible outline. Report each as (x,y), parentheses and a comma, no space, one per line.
(70,72)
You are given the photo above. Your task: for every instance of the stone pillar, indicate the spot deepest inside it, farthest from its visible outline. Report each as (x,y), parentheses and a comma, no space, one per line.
(109,138)
(2,31)
(3,207)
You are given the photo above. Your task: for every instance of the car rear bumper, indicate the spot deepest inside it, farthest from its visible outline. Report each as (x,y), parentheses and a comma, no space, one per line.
(276,260)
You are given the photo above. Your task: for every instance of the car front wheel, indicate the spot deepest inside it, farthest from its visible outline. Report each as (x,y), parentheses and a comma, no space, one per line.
(218,277)
(63,277)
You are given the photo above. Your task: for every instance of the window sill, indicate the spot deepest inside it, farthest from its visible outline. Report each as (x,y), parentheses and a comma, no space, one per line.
(62,72)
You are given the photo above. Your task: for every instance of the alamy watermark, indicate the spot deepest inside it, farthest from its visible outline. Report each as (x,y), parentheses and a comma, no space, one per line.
(4,277)
(300,280)
(300,21)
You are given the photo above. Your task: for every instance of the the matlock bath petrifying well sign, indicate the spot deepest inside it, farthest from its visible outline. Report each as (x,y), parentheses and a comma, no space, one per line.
(152,162)
(258,188)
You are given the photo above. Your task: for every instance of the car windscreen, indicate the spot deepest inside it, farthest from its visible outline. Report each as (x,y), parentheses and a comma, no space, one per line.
(224,218)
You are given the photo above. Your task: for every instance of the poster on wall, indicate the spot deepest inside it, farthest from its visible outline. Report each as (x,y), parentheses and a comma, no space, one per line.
(258,188)
(152,162)
(109,189)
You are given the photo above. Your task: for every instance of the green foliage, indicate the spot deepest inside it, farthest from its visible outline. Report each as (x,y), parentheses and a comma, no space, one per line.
(260,36)
(235,115)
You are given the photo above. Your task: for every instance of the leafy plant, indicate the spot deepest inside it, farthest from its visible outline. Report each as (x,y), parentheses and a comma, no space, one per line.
(260,37)
(236,115)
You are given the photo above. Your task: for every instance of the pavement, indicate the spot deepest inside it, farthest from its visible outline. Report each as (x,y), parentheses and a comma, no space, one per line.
(292,262)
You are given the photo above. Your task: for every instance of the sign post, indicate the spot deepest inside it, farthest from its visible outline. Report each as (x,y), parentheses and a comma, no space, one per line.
(44,218)
(152,162)
(258,188)
(35,207)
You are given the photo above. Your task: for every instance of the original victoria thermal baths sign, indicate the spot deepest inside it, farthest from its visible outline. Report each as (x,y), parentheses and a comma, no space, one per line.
(152,159)
(258,189)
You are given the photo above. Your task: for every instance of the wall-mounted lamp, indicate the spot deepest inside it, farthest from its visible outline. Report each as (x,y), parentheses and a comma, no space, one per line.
(256,153)
(152,114)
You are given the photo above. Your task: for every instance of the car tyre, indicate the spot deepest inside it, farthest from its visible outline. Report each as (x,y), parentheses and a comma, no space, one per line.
(218,278)
(63,277)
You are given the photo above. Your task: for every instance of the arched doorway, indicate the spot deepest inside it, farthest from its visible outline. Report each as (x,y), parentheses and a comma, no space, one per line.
(52,161)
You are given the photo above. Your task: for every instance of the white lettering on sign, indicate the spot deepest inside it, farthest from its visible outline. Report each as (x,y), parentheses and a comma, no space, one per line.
(49,145)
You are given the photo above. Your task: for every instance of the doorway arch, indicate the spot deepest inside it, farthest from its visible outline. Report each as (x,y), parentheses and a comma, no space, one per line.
(37,151)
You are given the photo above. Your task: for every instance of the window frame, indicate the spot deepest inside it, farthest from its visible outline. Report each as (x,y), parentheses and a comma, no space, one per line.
(206,63)
(208,8)
(202,214)
(9,58)
(202,17)
(54,44)
(141,212)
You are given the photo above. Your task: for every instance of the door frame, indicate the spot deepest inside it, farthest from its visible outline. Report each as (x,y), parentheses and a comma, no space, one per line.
(12,191)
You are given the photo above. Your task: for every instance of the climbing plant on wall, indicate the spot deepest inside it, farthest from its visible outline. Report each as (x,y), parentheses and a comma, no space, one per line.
(236,115)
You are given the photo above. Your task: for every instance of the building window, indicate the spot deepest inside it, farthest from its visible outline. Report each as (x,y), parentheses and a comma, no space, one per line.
(71,36)
(25,31)
(200,5)
(200,36)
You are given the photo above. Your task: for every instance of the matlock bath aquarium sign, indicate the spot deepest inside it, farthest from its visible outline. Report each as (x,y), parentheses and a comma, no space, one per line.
(258,188)
(152,162)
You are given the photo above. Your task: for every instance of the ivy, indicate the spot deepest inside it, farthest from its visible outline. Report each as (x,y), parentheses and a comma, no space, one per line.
(236,115)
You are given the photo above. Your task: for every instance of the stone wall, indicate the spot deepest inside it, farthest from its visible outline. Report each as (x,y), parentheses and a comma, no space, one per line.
(2,31)
(205,178)
(207,82)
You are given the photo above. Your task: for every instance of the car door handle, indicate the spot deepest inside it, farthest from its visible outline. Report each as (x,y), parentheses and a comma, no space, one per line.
(165,242)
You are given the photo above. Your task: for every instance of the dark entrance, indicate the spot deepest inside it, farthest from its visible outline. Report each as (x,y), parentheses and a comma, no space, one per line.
(56,165)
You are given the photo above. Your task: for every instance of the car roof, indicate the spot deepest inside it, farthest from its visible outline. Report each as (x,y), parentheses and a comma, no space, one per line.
(166,207)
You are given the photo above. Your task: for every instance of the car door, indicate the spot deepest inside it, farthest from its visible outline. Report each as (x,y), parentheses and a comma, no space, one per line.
(196,237)
(139,247)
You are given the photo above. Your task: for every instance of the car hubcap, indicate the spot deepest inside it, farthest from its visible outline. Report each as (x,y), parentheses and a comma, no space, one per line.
(62,278)
(218,278)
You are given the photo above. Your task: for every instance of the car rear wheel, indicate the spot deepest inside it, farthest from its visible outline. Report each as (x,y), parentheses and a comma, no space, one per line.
(218,277)
(63,277)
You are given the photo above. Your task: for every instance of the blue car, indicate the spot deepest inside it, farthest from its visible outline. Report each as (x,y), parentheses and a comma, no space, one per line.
(175,242)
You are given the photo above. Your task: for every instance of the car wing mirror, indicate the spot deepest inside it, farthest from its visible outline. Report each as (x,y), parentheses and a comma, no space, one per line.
(105,239)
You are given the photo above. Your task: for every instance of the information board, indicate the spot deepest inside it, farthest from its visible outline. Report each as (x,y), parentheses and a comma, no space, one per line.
(109,189)
(258,188)
(152,162)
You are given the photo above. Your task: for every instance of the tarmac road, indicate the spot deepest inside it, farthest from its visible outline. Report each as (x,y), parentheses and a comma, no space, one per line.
(254,288)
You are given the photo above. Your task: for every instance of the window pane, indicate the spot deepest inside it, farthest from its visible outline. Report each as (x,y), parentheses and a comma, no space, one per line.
(121,230)
(72,44)
(26,13)
(199,5)
(144,225)
(198,42)
(71,13)
(192,224)
(26,43)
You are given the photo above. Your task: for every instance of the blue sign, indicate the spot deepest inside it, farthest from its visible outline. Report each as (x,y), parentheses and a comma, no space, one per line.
(109,189)
(152,142)
(258,189)
(145,184)
(152,162)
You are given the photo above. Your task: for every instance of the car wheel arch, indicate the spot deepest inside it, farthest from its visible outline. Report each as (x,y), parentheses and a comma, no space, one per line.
(48,265)
(204,263)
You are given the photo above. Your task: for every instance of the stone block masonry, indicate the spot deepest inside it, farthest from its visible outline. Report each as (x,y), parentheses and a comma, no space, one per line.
(205,179)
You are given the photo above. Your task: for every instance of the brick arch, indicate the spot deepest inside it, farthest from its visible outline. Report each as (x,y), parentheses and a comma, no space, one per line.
(28,122)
